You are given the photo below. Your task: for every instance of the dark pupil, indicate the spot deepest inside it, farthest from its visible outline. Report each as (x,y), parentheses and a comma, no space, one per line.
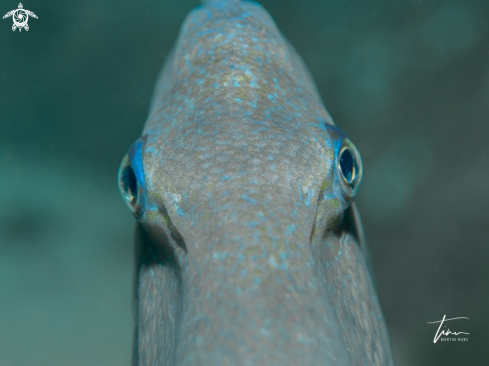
(130,183)
(348,166)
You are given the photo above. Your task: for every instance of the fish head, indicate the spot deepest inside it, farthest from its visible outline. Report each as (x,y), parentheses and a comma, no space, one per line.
(236,176)
(237,129)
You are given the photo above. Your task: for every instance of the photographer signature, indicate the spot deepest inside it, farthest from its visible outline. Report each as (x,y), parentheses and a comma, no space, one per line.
(446,332)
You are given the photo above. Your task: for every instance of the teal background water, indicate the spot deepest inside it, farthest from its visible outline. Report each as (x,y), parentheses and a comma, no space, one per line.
(406,80)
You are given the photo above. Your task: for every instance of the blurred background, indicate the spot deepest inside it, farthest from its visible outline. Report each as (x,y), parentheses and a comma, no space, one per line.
(406,80)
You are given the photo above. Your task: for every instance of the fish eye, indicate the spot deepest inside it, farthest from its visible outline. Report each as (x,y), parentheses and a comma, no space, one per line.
(128,183)
(350,165)
(131,178)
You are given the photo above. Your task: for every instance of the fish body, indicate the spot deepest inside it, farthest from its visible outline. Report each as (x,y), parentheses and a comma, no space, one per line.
(249,247)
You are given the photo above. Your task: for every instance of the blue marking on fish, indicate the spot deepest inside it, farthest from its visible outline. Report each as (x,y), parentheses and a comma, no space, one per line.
(136,156)
(249,246)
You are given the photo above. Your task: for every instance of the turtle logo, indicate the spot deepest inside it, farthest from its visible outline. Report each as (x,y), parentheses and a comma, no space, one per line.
(20,17)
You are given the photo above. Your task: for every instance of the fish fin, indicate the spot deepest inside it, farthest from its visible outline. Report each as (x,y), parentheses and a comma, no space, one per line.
(158,293)
(356,228)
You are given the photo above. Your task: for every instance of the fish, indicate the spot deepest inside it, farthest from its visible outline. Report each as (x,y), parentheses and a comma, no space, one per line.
(249,246)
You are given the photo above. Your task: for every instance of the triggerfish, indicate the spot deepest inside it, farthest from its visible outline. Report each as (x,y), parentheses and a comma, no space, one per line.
(250,249)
